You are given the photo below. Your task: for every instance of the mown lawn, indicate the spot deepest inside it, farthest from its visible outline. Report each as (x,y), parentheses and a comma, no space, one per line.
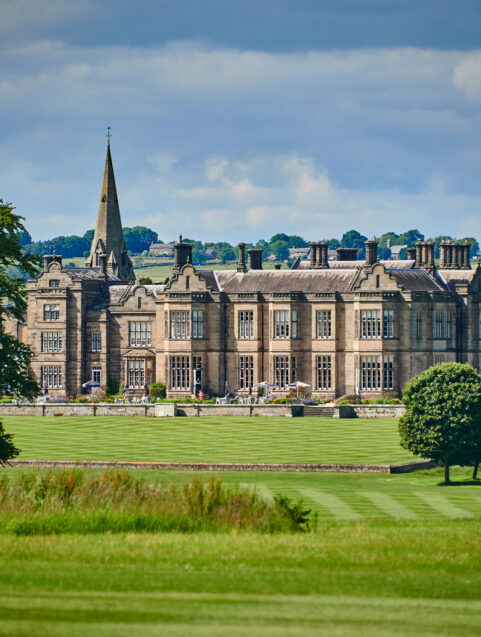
(254,439)
(352,578)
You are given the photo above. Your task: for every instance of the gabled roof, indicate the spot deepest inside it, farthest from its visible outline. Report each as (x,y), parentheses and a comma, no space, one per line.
(416,280)
(271,281)
(451,277)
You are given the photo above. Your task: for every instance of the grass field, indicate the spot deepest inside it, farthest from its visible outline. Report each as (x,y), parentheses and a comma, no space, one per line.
(392,554)
(374,441)
(354,578)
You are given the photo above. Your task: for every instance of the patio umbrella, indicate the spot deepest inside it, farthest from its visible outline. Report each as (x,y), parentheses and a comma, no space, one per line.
(226,392)
(297,384)
(266,384)
(92,383)
(45,389)
(146,389)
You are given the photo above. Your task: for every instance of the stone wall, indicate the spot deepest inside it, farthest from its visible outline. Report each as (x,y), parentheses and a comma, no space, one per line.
(200,410)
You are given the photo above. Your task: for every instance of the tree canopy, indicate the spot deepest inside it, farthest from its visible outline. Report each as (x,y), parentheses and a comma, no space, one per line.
(7,449)
(443,414)
(14,356)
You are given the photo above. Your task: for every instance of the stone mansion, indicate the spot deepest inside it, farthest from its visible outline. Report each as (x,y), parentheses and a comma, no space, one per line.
(343,327)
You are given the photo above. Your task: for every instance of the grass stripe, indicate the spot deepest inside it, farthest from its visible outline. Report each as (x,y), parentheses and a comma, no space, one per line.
(389,505)
(443,505)
(337,506)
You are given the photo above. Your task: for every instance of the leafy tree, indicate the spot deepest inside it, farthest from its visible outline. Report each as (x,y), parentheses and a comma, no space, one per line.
(333,244)
(354,239)
(264,246)
(15,357)
(157,390)
(227,254)
(112,387)
(280,249)
(410,237)
(24,238)
(295,241)
(280,236)
(474,245)
(443,414)
(139,238)
(145,280)
(7,449)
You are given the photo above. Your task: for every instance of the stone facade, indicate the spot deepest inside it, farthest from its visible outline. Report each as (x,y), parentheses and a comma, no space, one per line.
(342,327)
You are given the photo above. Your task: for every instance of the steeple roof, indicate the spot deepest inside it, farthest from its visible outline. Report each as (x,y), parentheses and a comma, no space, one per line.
(109,237)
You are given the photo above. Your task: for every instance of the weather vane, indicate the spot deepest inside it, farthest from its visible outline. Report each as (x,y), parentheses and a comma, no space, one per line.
(108,135)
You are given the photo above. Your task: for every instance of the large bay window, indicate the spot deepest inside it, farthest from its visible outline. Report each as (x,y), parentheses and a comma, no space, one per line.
(198,324)
(246,324)
(370,323)
(136,372)
(180,372)
(51,376)
(323,324)
(139,334)
(388,324)
(285,324)
(179,324)
(442,324)
(377,373)
(51,312)
(246,372)
(51,342)
(324,372)
(97,341)
(285,371)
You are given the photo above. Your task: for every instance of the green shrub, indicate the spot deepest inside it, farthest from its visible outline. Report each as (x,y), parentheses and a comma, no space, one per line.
(112,387)
(282,401)
(72,501)
(157,390)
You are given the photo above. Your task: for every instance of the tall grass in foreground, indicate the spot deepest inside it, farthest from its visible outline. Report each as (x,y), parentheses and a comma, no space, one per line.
(71,501)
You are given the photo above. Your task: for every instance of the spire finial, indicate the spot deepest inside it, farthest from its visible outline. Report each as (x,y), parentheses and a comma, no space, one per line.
(108,136)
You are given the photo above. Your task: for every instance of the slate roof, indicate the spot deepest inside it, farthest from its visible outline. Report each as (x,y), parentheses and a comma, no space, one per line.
(89,274)
(451,277)
(416,280)
(390,264)
(271,281)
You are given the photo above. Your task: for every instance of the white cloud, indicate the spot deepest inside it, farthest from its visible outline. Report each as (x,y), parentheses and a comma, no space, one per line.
(242,144)
(467,77)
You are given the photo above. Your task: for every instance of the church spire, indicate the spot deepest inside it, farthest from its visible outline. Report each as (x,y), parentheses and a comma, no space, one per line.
(109,237)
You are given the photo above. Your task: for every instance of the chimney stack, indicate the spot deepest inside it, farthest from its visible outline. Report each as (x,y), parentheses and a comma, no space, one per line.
(254,259)
(182,255)
(454,255)
(346,254)
(323,254)
(411,254)
(371,251)
(241,262)
(466,263)
(425,255)
(312,264)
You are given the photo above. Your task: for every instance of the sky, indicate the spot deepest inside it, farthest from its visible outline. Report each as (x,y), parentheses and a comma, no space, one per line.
(238,119)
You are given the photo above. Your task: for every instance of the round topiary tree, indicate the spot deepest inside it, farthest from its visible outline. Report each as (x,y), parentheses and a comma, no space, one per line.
(443,414)
(7,449)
